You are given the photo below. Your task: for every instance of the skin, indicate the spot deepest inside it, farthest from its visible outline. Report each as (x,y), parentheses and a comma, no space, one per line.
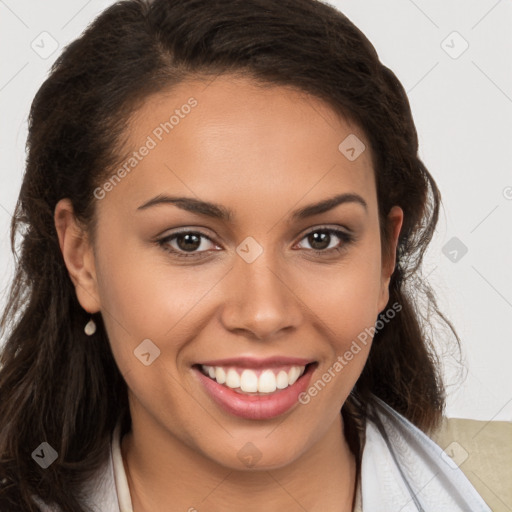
(261,152)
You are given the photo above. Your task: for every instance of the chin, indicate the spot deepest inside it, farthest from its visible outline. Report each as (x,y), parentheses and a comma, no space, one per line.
(257,455)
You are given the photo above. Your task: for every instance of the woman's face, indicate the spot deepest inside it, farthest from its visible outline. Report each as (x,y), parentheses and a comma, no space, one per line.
(245,292)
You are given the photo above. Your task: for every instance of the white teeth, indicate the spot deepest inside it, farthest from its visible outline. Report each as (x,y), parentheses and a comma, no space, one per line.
(293,374)
(267,382)
(220,375)
(248,381)
(282,380)
(232,379)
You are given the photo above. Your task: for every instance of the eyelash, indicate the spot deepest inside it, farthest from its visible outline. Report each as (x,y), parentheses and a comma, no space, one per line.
(342,235)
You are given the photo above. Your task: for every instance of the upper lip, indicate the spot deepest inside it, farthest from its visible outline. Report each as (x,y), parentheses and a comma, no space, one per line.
(253,362)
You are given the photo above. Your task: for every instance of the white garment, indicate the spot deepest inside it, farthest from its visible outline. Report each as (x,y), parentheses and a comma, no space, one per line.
(402,470)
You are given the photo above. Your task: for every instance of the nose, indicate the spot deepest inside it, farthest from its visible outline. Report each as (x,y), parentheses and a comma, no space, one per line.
(260,299)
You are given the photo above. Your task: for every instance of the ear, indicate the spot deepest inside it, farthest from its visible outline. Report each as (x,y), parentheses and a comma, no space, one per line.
(78,255)
(395,220)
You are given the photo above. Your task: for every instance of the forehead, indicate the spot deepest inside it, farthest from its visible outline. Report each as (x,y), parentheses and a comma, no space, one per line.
(231,136)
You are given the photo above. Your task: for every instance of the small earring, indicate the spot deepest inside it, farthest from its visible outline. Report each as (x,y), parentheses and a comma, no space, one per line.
(90,327)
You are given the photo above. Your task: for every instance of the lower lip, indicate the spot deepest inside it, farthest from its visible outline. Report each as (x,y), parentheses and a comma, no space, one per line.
(255,407)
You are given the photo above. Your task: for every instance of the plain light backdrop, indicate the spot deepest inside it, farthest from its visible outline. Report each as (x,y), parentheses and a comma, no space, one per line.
(453,58)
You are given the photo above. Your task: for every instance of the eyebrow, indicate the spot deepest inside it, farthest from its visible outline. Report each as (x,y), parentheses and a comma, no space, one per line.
(217,211)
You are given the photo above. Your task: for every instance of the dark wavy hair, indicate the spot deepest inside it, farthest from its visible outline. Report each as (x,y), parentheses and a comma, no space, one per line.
(61,386)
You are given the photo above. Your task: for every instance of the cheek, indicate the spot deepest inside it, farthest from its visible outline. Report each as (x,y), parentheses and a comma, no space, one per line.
(147,311)
(131,302)
(347,305)
(145,297)
(347,296)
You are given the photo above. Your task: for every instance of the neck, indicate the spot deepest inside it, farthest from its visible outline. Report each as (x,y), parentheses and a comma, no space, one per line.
(322,479)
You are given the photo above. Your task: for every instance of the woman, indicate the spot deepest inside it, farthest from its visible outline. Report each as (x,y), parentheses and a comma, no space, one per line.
(223,216)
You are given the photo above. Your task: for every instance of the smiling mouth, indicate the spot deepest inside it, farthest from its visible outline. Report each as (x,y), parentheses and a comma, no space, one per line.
(255,389)
(251,381)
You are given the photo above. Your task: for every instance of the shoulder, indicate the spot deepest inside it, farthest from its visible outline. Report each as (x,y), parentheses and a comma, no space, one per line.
(483,451)
(101,489)
(402,465)
(97,493)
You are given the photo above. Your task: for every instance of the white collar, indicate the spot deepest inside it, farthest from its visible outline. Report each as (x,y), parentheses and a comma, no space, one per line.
(121,482)
(403,469)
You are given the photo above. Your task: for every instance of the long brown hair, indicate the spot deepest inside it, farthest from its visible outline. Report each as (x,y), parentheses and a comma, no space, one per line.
(60,386)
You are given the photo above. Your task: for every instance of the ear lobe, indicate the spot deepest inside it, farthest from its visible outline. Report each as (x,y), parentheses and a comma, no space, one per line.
(78,255)
(395,220)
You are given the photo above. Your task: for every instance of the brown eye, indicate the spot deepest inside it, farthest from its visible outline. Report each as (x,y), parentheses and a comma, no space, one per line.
(321,239)
(188,241)
(185,244)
